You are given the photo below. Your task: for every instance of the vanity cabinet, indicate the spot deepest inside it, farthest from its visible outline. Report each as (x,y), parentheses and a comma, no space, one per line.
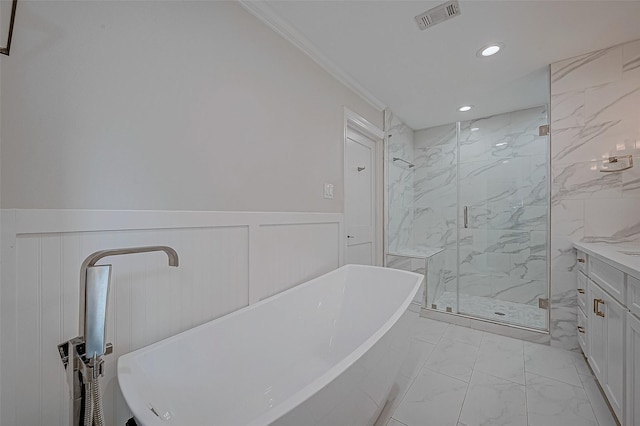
(608,299)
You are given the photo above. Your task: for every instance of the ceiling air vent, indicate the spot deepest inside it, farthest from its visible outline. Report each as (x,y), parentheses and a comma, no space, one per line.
(438,14)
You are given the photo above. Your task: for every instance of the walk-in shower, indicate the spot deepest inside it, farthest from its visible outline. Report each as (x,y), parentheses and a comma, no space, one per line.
(478,190)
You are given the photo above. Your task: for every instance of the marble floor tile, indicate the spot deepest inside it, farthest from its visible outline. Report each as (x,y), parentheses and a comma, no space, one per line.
(463,384)
(502,357)
(455,359)
(398,391)
(433,399)
(428,330)
(598,403)
(492,401)
(581,366)
(418,353)
(463,335)
(550,362)
(554,403)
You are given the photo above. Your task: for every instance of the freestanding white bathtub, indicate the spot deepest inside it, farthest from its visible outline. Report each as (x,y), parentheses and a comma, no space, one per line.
(323,353)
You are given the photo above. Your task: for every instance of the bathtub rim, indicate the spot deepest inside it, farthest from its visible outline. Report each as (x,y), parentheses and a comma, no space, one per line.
(148,419)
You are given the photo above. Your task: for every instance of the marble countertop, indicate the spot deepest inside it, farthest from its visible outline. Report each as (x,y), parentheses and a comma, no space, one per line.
(614,253)
(418,252)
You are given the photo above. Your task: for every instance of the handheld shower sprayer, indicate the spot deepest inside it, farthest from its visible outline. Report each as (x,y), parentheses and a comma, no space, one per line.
(82,356)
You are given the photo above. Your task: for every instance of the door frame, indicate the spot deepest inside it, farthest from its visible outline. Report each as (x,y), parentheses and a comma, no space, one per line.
(357,123)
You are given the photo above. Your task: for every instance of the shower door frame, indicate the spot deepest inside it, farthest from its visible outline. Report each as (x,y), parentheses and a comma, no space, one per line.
(547,329)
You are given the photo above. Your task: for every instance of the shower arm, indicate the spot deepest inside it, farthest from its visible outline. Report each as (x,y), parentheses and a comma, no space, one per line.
(404,161)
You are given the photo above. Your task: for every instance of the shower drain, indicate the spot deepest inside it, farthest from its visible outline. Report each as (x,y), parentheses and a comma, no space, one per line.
(499,313)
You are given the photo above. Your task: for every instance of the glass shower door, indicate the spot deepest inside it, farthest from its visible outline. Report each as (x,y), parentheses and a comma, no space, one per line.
(503,217)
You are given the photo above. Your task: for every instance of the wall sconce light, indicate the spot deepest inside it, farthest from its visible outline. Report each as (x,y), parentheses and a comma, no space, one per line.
(6,25)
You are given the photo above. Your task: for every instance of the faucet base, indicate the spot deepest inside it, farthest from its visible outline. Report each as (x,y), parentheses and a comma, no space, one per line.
(80,372)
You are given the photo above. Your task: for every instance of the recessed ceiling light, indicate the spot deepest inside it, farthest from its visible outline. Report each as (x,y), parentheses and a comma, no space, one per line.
(489,50)
(464,108)
(475,129)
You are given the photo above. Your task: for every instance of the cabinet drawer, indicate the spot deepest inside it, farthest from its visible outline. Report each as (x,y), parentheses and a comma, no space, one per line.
(581,288)
(633,295)
(582,332)
(581,261)
(608,277)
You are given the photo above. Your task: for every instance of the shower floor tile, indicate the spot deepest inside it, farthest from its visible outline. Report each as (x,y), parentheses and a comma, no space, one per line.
(494,309)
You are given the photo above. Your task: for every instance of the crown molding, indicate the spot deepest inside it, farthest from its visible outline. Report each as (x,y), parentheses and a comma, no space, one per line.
(262,11)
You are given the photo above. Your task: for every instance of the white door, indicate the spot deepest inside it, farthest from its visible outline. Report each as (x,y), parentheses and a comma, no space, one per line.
(360,199)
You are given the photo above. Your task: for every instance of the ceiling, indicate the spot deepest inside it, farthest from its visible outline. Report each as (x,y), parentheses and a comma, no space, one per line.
(424,76)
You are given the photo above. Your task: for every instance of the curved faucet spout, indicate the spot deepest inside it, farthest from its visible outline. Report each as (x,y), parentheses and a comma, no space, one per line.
(94,294)
(92,259)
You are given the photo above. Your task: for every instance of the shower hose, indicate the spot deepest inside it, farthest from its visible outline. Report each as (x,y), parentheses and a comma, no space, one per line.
(93,415)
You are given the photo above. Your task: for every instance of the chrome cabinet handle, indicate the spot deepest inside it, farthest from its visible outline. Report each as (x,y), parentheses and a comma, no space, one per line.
(596,306)
(466,216)
(581,329)
(581,290)
(361,168)
(350,236)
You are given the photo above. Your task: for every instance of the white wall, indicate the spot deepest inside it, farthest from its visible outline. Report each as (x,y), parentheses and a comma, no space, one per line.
(166,107)
(169,106)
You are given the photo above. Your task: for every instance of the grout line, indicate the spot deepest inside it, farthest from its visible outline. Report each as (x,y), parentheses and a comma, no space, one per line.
(473,369)
(412,379)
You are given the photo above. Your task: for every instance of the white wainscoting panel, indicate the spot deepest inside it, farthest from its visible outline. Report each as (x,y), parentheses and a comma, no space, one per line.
(294,253)
(227,261)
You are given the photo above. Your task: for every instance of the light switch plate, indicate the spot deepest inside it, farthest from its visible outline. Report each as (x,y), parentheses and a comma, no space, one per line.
(328,191)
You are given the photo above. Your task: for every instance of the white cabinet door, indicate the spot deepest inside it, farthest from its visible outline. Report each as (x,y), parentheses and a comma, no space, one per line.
(607,346)
(633,370)
(595,333)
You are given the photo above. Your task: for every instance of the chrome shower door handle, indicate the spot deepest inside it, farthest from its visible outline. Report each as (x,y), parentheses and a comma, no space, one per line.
(466,216)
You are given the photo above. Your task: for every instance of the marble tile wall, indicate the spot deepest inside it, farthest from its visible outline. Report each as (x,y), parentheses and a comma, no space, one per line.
(435,277)
(435,189)
(433,269)
(595,114)
(400,184)
(503,181)
(405,263)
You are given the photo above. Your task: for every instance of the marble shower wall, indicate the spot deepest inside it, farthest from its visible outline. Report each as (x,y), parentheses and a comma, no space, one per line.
(436,198)
(400,181)
(595,114)
(503,182)
(433,269)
